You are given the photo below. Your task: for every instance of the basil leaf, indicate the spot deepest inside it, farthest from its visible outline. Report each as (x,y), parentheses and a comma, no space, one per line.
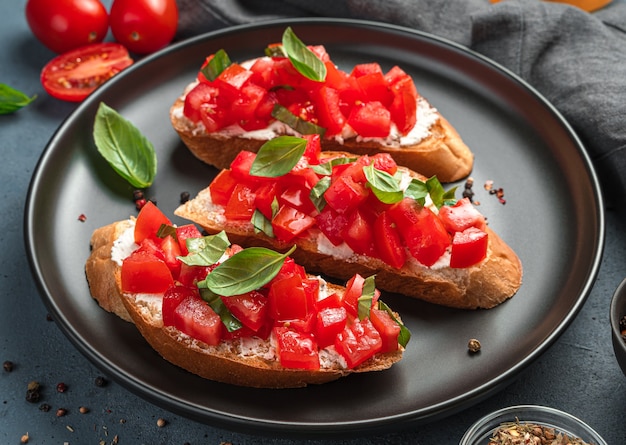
(326,168)
(245,271)
(317,193)
(12,100)
(385,187)
(165,230)
(303,59)
(215,301)
(367,295)
(405,334)
(126,150)
(438,195)
(278,156)
(218,63)
(417,190)
(302,126)
(205,251)
(261,224)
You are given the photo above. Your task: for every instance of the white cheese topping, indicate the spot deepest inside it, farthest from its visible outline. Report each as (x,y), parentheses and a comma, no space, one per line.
(124,245)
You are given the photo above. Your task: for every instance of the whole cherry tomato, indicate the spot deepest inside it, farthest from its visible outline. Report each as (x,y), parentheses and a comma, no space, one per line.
(62,25)
(144,26)
(73,75)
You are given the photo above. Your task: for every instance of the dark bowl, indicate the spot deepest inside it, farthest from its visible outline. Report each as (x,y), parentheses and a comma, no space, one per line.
(618,310)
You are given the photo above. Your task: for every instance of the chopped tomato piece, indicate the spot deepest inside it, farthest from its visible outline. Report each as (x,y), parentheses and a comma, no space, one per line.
(148,221)
(354,290)
(144,272)
(296,349)
(359,233)
(288,300)
(190,275)
(171,250)
(372,119)
(194,317)
(363,69)
(172,297)
(387,327)
(461,216)
(232,79)
(375,88)
(358,342)
(345,195)
(195,99)
(332,224)
(240,206)
(290,222)
(329,113)
(468,247)
(264,197)
(222,187)
(388,243)
(249,308)
(329,323)
(185,232)
(384,162)
(313,148)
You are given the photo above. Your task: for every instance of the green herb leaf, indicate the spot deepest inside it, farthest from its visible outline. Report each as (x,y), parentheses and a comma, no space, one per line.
(165,230)
(303,59)
(205,251)
(300,125)
(215,301)
(278,156)
(405,334)
(245,271)
(216,65)
(12,100)
(385,187)
(128,151)
(367,295)
(326,168)
(417,190)
(275,51)
(317,193)
(261,224)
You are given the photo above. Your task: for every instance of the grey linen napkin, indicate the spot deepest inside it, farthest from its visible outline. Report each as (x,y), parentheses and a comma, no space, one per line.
(576,60)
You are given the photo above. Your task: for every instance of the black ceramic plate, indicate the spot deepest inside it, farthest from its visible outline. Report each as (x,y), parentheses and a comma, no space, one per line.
(553,218)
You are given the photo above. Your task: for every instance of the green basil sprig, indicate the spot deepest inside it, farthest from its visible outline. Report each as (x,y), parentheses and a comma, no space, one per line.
(246,271)
(364,304)
(383,185)
(205,251)
(12,100)
(303,59)
(278,156)
(231,322)
(405,334)
(283,114)
(124,147)
(418,190)
(216,65)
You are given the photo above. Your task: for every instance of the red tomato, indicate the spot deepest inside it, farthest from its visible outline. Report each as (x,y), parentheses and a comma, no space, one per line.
(171,299)
(359,233)
(249,308)
(148,221)
(358,342)
(185,232)
(388,329)
(144,26)
(461,216)
(287,299)
(468,247)
(332,224)
(289,223)
(329,323)
(240,206)
(354,290)
(371,120)
(388,243)
(222,187)
(74,75)
(344,194)
(63,25)
(194,317)
(171,250)
(143,272)
(296,349)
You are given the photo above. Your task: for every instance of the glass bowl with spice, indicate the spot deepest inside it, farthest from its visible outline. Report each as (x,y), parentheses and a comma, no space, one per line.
(530,424)
(618,324)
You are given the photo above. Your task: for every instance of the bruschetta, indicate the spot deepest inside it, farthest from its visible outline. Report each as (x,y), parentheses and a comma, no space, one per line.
(296,90)
(365,214)
(248,317)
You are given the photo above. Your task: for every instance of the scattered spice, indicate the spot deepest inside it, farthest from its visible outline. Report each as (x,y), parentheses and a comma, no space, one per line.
(44,407)
(61,412)
(7,365)
(33,393)
(499,192)
(473,345)
(25,438)
(61,387)
(100,381)
(518,433)
(83,410)
(161,422)
(468,191)
(184,197)
(82,217)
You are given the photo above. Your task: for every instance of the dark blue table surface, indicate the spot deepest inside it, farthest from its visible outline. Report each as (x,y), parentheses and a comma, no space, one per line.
(578,374)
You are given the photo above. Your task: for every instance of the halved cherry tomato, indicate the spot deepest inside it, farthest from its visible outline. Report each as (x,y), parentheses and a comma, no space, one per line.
(74,75)
(144,26)
(63,25)
(148,221)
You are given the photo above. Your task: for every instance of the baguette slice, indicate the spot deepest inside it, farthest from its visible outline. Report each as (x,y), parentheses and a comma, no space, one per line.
(484,285)
(249,362)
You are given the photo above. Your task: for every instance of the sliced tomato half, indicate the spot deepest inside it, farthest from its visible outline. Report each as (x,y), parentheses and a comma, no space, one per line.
(74,75)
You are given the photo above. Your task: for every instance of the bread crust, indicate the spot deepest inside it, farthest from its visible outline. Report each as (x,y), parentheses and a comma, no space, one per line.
(224,363)
(482,286)
(442,153)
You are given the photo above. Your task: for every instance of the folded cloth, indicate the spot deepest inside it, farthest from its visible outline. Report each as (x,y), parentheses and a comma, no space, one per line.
(576,60)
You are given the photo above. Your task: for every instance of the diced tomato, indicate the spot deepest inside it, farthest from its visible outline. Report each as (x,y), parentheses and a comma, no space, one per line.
(372,119)
(264,197)
(296,349)
(263,72)
(375,88)
(359,233)
(384,162)
(290,222)
(244,107)
(468,247)
(298,198)
(289,268)
(313,148)
(354,170)
(422,231)
(461,216)
(332,224)
(240,206)
(149,245)
(194,317)
(354,290)
(185,232)
(287,299)
(203,93)
(329,113)
(148,221)
(221,188)
(388,243)
(144,272)
(387,327)
(335,78)
(249,308)
(190,275)
(363,69)
(358,342)
(305,325)
(329,322)
(403,108)
(332,300)
(232,79)
(240,167)
(172,297)
(171,252)
(345,195)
